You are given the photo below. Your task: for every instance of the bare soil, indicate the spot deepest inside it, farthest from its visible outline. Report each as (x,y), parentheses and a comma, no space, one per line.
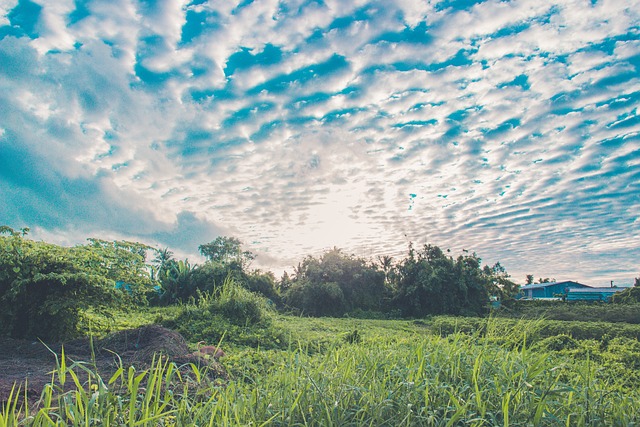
(31,363)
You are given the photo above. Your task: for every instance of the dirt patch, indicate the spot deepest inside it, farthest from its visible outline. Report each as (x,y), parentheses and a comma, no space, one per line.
(32,363)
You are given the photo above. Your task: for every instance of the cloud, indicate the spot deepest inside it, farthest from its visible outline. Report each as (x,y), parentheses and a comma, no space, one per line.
(508,128)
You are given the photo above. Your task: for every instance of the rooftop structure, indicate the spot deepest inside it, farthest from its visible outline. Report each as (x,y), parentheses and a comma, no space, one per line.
(550,290)
(569,290)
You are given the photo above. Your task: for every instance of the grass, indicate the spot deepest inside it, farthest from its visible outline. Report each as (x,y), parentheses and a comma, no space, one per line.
(347,372)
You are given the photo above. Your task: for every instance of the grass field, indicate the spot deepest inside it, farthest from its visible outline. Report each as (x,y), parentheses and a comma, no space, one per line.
(442,371)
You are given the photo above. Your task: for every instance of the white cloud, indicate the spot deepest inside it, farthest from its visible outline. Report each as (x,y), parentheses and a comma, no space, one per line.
(531,176)
(5,7)
(53,33)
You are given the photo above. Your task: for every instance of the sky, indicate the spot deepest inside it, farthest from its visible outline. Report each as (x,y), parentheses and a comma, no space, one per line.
(509,129)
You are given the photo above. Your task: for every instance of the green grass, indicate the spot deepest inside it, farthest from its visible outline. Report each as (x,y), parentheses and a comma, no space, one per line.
(356,372)
(572,311)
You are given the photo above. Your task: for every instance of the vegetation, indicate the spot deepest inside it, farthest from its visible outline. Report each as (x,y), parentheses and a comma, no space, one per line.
(45,289)
(233,314)
(430,282)
(179,281)
(426,282)
(43,284)
(335,284)
(574,310)
(527,364)
(628,296)
(395,373)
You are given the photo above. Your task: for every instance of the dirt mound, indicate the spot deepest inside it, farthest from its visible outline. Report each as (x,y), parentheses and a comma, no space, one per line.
(33,362)
(139,345)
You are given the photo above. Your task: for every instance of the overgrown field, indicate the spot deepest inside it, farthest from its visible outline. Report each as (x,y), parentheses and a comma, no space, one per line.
(286,371)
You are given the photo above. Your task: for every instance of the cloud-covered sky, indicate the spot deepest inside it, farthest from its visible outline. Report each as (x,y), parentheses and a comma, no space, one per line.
(511,129)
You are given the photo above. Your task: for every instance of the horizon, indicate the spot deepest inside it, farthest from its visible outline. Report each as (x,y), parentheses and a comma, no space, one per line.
(508,129)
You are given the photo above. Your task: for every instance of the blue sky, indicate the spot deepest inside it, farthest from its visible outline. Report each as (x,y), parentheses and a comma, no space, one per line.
(506,128)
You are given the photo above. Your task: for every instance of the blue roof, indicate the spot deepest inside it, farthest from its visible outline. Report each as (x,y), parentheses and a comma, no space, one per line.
(544,285)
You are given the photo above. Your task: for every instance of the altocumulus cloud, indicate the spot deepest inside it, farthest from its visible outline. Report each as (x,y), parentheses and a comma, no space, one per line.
(507,128)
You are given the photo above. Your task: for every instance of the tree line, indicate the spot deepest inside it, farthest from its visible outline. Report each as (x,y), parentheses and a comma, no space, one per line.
(46,288)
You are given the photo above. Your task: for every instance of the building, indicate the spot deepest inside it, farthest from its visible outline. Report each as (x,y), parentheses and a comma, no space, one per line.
(592,294)
(568,290)
(551,290)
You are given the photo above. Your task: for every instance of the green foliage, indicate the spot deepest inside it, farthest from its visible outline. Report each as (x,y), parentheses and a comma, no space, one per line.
(233,313)
(239,305)
(209,277)
(430,282)
(176,282)
(44,288)
(578,311)
(227,250)
(120,261)
(317,298)
(396,375)
(179,281)
(335,284)
(557,343)
(446,325)
(353,337)
(263,283)
(628,296)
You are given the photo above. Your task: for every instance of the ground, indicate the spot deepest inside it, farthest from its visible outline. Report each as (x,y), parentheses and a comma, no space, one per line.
(32,362)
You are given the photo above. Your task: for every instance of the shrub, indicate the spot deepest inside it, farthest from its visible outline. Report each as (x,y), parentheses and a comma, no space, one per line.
(334,285)
(239,305)
(578,311)
(232,315)
(45,288)
(628,296)
(557,343)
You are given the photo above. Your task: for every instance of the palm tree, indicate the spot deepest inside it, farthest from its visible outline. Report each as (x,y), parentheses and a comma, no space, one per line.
(160,262)
(175,281)
(386,262)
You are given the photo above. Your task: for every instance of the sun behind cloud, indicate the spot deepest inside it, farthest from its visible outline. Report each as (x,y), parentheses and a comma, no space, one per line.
(506,128)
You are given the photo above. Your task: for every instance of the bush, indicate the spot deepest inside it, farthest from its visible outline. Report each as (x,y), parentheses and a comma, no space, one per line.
(557,343)
(45,288)
(240,305)
(317,298)
(578,311)
(535,329)
(628,296)
(232,315)
(335,284)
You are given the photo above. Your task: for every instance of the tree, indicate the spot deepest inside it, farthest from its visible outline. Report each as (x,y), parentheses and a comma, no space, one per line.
(176,283)
(122,262)
(628,296)
(386,263)
(529,280)
(285,282)
(430,282)
(499,284)
(263,283)
(317,298)
(5,229)
(45,288)
(335,284)
(161,261)
(226,250)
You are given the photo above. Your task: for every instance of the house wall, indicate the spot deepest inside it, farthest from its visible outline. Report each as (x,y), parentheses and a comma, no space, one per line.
(552,290)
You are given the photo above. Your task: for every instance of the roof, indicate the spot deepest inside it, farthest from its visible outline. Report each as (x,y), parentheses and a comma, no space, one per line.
(544,285)
(601,290)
